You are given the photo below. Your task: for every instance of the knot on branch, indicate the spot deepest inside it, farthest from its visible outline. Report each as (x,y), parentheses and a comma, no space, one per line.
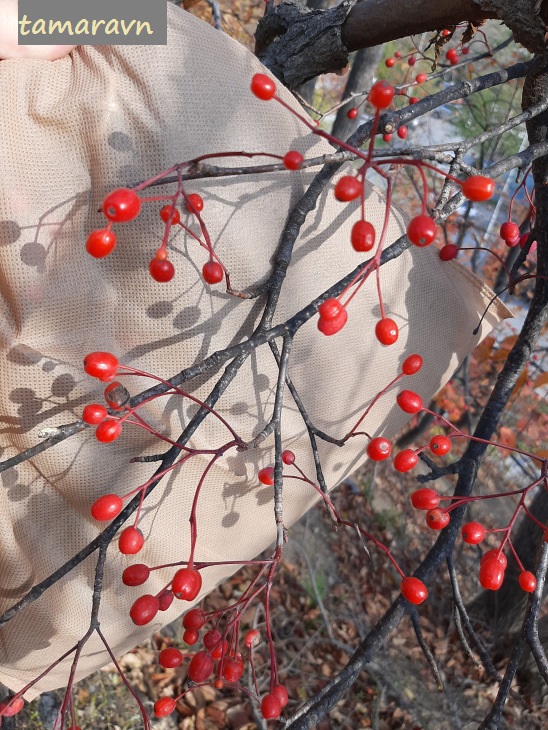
(297,43)
(527,19)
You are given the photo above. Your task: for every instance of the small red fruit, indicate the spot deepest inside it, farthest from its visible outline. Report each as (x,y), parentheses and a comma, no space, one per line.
(164,706)
(448,252)
(165,600)
(411,61)
(405,460)
(501,557)
(280,692)
(194,619)
(288,457)
(131,541)
(527,581)
(263,87)
(491,574)
(362,236)
(122,205)
(186,584)
(421,78)
(212,639)
(100,243)
(190,637)
(108,431)
(330,309)
(425,498)
(352,113)
(135,575)
(94,414)
(116,395)
(451,54)
(478,188)
(195,204)
(378,449)
(106,507)
(169,210)
(232,669)
(465,50)
(413,590)
(440,445)
(266,476)
(170,658)
(412,364)
(293,160)
(381,94)
(101,365)
(271,707)
(473,533)
(161,270)
(409,401)
(389,62)
(212,272)
(10,706)
(348,188)
(454,60)
(144,610)
(402,132)
(421,230)
(445,33)
(386,331)
(251,638)
(332,325)
(509,231)
(386,137)
(413,99)
(200,667)
(437,519)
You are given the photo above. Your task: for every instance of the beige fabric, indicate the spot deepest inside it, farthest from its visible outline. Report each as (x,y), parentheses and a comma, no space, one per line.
(72,130)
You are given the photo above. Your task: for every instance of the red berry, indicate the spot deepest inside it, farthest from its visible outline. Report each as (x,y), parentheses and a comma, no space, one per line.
(131,540)
(263,87)
(161,270)
(165,600)
(389,62)
(331,326)
(135,575)
(108,431)
(190,637)
(10,706)
(440,445)
(330,309)
(437,519)
(454,60)
(413,590)
(122,205)
(106,507)
(166,212)
(509,231)
(144,610)
(212,272)
(362,236)
(200,667)
(425,498)
(212,639)
(381,94)
(465,50)
(293,160)
(101,365)
(232,669)
(409,402)
(94,413)
(523,240)
(473,533)
(170,658)
(527,581)
(478,188)
(271,707)
(451,54)
(348,188)
(186,584)
(288,457)
(352,113)
(386,331)
(220,650)
(405,460)
(164,706)
(116,395)
(445,33)
(491,574)
(421,230)
(195,204)
(501,557)
(411,60)
(397,54)
(412,364)
(100,243)
(280,692)
(402,132)
(421,78)
(266,476)
(379,449)
(194,619)
(386,137)
(251,638)
(448,252)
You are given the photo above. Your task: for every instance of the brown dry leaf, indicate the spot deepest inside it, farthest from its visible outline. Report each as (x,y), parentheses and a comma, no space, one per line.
(541,380)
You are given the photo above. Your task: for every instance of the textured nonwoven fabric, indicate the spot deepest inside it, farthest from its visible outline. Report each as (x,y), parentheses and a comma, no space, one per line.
(74,129)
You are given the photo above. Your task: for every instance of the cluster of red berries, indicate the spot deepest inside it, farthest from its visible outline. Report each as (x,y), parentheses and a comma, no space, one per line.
(104,366)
